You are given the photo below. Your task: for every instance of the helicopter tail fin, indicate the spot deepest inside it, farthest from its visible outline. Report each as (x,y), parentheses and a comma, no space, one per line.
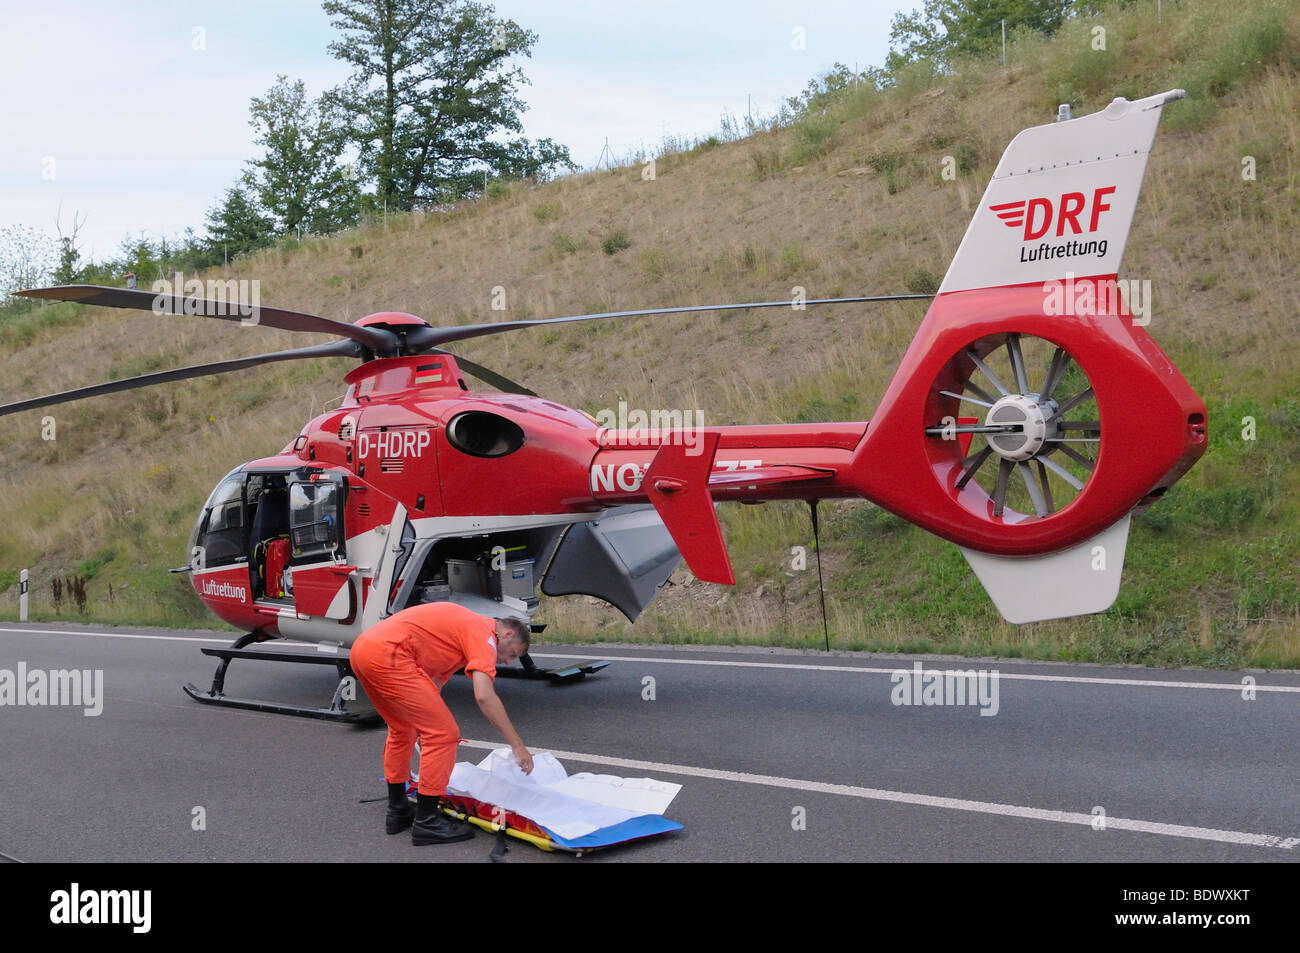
(1061,201)
(1081,417)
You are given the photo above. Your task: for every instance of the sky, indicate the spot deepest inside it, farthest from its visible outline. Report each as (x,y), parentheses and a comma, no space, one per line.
(134,114)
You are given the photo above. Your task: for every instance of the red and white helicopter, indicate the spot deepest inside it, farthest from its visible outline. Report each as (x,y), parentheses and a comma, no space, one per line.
(1029,418)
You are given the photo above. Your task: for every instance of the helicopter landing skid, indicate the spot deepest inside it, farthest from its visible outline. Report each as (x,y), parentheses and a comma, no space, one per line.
(337,710)
(531,670)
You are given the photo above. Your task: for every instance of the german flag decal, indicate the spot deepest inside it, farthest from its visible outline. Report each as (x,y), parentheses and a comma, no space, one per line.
(429,373)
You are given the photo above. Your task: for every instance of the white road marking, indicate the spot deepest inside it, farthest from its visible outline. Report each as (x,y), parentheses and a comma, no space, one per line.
(924,800)
(862,670)
(875,794)
(118,635)
(857,669)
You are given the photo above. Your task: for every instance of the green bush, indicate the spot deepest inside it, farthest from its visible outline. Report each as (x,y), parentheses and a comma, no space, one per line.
(766,161)
(90,568)
(894,169)
(967,155)
(562,243)
(1256,39)
(921,281)
(1230,507)
(915,78)
(814,136)
(792,259)
(654,262)
(615,243)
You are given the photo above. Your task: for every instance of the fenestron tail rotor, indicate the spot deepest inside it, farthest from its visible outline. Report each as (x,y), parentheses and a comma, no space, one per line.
(1036,436)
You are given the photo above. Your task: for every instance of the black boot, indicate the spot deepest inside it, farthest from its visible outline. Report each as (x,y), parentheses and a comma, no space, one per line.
(400,811)
(434,827)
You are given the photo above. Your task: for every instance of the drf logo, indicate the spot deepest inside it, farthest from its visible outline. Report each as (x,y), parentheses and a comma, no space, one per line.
(1037,215)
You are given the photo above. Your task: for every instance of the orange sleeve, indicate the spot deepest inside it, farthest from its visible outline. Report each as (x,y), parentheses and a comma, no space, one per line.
(481,648)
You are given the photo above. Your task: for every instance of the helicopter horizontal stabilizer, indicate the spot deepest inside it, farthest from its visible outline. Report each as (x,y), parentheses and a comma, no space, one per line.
(760,476)
(677,483)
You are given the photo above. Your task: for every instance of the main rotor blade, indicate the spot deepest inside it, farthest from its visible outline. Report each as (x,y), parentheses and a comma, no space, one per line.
(382,342)
(419,338)
(334,349)
(489,376)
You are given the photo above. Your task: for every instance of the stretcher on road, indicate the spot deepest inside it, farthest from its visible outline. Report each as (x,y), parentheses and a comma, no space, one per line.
(556,811)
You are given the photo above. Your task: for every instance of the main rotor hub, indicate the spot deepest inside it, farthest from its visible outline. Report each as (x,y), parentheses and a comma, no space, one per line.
(1024,411)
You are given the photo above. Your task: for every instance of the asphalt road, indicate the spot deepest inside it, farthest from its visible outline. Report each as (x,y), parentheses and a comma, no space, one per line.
(782,756)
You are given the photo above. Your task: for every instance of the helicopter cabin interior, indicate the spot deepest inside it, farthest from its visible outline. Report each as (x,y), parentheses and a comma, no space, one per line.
(272,522)
(287,528)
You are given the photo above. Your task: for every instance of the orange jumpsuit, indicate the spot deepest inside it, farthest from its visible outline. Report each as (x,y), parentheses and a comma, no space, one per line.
(402,663)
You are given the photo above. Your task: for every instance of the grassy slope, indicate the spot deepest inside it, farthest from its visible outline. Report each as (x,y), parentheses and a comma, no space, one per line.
(846,203)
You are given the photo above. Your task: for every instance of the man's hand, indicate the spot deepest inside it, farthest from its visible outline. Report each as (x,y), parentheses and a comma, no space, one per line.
(524,758)
(495,712)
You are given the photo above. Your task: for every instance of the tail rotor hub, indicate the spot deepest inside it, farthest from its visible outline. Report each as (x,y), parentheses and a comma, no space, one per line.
(1023,412)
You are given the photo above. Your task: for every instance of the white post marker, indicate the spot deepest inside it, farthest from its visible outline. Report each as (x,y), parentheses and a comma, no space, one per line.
(22,596)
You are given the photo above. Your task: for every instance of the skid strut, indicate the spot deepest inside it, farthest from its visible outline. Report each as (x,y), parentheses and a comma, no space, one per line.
(337,709)
(531,670)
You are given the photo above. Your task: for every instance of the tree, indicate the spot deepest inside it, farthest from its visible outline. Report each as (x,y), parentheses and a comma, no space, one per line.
(432,91)
(237,226)
(67,270)
(142,257)
(299,181)
(947,28)
(831,87)
(27,257)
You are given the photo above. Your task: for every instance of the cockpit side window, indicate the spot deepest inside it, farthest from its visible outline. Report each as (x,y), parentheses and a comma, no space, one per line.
(221,530)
